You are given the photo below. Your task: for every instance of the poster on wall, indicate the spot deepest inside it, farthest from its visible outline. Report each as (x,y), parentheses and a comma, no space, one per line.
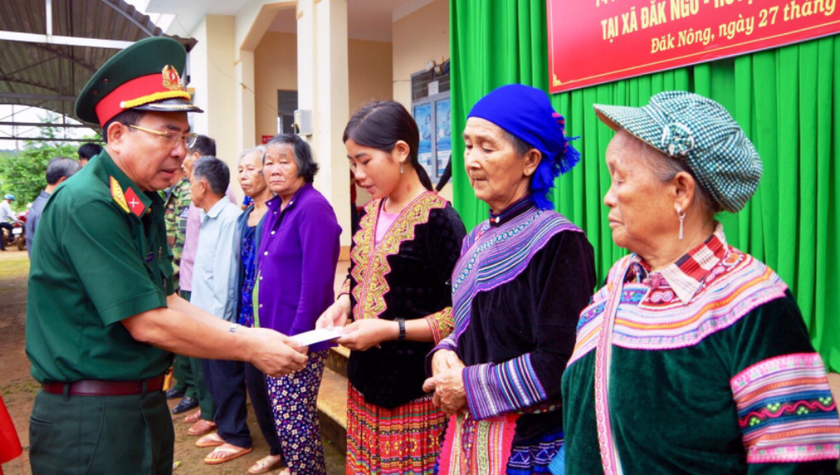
(611,40)
(443,134)
(423,117)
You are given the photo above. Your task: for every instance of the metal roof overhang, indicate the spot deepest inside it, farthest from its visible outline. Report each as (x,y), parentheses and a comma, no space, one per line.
(50,48)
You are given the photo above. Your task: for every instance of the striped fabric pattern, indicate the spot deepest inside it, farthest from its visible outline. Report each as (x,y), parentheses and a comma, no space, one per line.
(403,440)
(493,256)
(734,293)
(647,321)
(786,410)
(477,447)
(494,389)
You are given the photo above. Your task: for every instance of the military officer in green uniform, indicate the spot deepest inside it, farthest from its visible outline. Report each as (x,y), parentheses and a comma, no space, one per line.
(102,317)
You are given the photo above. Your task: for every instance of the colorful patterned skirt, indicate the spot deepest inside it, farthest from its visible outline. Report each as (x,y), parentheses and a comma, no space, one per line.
(486,447)
(403,440)
(294,400)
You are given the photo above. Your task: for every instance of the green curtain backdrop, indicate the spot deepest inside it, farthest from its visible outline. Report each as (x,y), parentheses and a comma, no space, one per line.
(786,99)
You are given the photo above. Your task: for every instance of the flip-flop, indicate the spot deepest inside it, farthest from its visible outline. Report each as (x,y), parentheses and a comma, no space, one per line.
(264,465)
(210,440)
(193,417)
(230,454)
(201,427)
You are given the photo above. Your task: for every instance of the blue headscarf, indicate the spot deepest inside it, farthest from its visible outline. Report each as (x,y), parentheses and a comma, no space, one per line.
(526,113)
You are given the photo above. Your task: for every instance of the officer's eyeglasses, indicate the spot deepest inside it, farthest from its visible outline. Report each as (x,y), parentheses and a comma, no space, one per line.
(172,138)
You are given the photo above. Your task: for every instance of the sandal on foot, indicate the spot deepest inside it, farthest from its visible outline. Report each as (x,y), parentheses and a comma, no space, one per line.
(193,417)
(202,427)
(210,440)
(265,464)
(228,454)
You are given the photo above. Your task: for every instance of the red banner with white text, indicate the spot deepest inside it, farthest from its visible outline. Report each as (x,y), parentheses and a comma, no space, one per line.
(596,41)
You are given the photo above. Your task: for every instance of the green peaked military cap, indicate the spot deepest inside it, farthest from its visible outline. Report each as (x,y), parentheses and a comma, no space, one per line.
(144,76)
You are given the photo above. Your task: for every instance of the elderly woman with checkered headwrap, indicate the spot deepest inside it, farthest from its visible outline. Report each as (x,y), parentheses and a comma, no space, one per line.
(693,358)
(523,277)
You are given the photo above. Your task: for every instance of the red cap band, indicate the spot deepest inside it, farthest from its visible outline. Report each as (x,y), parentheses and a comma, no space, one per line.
(109,106)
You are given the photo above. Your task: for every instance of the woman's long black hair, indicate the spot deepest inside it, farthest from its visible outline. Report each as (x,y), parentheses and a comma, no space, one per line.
(381,125)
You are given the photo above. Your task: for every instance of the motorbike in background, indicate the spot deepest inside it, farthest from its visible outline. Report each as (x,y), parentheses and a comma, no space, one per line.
(18,235)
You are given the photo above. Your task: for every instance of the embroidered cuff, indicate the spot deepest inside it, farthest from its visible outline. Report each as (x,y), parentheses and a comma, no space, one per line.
(494,389)
(345,288)
(786,411)
(441,324)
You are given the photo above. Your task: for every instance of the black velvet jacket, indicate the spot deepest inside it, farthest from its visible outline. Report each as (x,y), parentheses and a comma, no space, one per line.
(407,275)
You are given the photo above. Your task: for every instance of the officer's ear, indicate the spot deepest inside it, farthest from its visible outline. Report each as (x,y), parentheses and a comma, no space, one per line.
(116,135)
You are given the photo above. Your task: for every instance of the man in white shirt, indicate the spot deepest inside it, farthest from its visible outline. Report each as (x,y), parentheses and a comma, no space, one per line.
(214,290)
(6,215)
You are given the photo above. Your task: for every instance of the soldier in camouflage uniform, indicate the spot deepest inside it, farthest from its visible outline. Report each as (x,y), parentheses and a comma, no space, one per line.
(177,205)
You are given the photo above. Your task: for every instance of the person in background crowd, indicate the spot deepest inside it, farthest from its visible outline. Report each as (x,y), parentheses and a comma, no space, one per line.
(397,295)
(247,201)
(214,288)
(102,317)
(190,221)
(58,170)
(523,277)
(706,365)
(88,151)
(6,217)
(296,261)
(249,228)
(176,204)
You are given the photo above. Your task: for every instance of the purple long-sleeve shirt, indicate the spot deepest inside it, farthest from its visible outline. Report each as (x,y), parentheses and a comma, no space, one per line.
(296,263)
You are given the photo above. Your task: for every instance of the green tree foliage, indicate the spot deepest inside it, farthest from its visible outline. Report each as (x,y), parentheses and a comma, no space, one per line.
(23,173)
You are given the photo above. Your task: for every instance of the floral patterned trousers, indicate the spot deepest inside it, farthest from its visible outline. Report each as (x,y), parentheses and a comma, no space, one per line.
(294,399)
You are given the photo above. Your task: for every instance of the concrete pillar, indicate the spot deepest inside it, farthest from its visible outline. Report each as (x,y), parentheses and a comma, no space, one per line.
(220,77)
(323,87)
(212,77)
(244,95)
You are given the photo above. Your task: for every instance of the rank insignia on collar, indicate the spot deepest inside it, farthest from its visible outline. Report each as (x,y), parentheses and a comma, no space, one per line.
(171,79)
(117,194)
(137,206)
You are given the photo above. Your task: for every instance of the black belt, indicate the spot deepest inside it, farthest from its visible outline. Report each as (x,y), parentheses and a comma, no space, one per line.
(106,388)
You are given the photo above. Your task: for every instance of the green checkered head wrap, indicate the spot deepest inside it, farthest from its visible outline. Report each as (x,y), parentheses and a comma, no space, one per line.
(702,134)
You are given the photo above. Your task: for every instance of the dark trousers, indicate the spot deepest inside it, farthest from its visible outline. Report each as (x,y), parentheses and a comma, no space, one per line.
(101,435)
(202,389)
(181,367)
(183,376)
(226,382)
(7,227)
(255,381)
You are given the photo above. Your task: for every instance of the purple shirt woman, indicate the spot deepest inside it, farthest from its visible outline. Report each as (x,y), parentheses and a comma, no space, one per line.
(296,261)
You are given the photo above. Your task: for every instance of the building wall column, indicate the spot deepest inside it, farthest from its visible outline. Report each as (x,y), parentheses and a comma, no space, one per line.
(323,87)
(245,105)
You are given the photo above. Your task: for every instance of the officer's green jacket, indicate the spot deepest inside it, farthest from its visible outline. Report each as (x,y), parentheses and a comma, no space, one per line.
(100,256)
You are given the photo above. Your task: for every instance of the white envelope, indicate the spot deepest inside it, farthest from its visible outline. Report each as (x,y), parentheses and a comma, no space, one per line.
(318,336)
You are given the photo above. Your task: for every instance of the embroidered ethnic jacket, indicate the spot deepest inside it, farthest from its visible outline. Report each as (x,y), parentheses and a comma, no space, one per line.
(518,289)
(712,372)
(407,275)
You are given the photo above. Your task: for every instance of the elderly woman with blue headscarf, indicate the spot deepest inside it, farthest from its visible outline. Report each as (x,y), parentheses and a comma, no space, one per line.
(523,277)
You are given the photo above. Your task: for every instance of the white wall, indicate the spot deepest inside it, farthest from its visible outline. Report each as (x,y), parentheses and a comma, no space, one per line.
(418,38)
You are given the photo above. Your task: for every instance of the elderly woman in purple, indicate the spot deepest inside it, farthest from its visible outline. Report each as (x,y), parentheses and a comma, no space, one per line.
(296,261)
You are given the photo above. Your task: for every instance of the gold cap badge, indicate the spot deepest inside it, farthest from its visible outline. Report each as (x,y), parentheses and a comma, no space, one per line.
(171,79)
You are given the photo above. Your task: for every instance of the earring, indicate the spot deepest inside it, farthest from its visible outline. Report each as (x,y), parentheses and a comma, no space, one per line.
(682,219)
(401,169)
